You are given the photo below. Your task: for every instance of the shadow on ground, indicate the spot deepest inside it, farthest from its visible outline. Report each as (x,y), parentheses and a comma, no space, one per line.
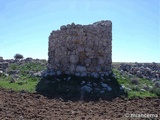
(70,88)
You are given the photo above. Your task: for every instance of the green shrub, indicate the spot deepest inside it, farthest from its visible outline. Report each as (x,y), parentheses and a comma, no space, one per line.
(156,90)
(18,56)
(135,81)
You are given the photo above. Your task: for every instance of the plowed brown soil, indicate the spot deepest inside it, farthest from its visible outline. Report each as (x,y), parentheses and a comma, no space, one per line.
(27,106)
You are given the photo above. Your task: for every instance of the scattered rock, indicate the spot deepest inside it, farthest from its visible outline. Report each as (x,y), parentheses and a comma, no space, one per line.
(68,78)
(97,89)
(11,72)
(77,74)
(121,88)
(81,69)
(102,92)
(12,80)
(143,90)
(86,88)
(84,74)
(128,89)
(1,73)
(37,74)
(106,86)
(58,72)
(157,84)
(145,87)
(114,76)
(83,82)
(95,75)
(148,71)
(106,74)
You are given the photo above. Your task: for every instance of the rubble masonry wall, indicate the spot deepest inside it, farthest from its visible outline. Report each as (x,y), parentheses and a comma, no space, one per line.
(81,49)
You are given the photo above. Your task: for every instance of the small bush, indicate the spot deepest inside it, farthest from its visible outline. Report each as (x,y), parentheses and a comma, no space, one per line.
(156,90)
(13,67)
(136,88)
(146,87)
(135,81)
(18,56)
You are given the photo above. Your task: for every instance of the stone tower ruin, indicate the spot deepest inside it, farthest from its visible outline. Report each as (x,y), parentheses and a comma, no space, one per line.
(82,49)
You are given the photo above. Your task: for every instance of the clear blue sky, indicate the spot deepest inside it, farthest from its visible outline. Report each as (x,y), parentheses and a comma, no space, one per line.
(25,26)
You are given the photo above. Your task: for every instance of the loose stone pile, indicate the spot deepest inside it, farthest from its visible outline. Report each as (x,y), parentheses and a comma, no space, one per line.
(1,59)
(81,50)
(150,71)
(85,87)
(4,65)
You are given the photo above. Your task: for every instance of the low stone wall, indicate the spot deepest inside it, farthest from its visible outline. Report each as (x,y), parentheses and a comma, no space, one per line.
(81,49)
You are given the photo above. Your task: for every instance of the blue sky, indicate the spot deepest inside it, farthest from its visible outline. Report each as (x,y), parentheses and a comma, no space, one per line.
(25,26)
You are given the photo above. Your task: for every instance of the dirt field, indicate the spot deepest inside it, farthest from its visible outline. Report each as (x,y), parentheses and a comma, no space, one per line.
(27,106)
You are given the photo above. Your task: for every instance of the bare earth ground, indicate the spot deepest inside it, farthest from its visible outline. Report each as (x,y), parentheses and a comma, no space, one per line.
(27,106)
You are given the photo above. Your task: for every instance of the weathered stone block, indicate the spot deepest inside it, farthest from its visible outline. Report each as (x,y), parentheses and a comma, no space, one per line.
(81,69)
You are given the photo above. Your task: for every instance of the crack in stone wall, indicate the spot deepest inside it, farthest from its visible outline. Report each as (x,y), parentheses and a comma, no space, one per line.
(81,49)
